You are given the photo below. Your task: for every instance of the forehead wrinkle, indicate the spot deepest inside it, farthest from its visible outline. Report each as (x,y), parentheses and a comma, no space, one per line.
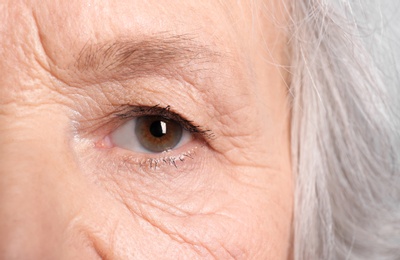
(137,57)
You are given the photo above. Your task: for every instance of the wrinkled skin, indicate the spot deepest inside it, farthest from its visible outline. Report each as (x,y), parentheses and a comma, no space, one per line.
(68,192)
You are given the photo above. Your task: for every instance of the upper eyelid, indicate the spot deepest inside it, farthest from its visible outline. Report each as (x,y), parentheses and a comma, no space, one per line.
(168,113)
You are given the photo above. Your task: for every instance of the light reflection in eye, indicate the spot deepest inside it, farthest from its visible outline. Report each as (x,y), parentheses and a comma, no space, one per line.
(150,134)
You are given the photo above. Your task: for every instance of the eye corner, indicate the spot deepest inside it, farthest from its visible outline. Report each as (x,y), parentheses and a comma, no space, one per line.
(104,143)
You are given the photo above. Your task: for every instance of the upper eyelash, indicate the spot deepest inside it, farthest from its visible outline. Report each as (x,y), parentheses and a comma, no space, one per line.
(167,113)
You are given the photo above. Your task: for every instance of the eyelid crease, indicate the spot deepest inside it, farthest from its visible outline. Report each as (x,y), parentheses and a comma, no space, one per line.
(167,113)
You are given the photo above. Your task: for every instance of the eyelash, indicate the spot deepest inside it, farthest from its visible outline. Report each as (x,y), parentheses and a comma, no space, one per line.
(166,112)
(154,163)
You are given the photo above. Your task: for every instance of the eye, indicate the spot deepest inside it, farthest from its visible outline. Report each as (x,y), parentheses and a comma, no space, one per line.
(150,134)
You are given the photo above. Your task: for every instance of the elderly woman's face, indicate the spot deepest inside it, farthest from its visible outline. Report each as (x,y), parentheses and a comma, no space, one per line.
(143,130)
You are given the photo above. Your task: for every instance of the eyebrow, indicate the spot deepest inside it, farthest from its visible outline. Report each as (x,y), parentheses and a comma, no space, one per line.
(126,58)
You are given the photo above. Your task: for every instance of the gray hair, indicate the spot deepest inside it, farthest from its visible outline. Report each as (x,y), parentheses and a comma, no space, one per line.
(345,137)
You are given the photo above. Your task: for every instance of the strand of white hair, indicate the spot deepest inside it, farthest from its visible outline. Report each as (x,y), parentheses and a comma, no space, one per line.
(345,138)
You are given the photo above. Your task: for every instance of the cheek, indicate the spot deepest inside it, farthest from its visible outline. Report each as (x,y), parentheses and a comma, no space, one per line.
(206,210)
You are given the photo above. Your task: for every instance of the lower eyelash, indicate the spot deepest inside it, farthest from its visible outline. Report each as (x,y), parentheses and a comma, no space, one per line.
(157,163)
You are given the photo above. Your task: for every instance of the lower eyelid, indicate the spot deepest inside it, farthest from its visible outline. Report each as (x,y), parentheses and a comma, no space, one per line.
(147,162)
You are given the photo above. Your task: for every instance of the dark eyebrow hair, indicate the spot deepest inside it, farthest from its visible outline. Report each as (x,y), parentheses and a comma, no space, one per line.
(142,56)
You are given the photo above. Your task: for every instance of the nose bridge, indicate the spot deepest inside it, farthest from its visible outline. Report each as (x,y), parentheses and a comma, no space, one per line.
(31,174)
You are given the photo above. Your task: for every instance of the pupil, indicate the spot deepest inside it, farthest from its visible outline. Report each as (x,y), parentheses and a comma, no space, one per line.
(157,134)
(158,128)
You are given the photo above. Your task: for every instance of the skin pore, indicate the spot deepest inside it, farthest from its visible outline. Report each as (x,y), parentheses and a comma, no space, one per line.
(74,72)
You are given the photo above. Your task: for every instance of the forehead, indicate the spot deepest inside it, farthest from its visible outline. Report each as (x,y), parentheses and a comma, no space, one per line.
(54,34)
(65,27)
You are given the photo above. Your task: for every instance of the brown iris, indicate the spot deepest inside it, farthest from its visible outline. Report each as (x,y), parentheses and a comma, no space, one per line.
(158,134)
